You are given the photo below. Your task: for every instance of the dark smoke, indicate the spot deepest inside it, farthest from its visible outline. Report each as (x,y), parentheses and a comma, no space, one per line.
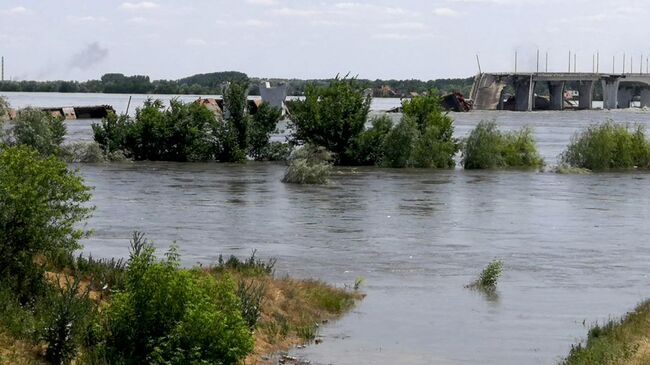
(91,55)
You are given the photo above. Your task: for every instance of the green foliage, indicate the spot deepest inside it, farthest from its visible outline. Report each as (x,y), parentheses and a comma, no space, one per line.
(104,275)
(39,130)
(331,116)
(275,151)
(487,147)
(308,165)
(333,301)
(42,205)
(67,320)
(424,137)
(399,144)
(234,101)
(608,145)
(167,315)
(489,277)
(368,150)
(262,124)
(182,132)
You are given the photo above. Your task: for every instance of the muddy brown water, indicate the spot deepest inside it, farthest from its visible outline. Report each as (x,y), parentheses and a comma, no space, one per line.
(574,246)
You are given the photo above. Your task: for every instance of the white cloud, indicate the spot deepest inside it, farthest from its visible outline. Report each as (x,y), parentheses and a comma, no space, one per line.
(138,20)
(196,42)
(292,12)
(447,12)
(262,2)
(405,25)
(18,10)
(144,5)
(86,19)
(256,23)
(402,36)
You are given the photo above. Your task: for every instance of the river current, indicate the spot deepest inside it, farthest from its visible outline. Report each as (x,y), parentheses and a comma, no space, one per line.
(574,246)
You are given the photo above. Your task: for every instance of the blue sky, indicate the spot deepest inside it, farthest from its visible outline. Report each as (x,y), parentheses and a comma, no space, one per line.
(81,39)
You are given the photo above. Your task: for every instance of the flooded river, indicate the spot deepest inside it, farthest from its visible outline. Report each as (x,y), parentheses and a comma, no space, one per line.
(574,246)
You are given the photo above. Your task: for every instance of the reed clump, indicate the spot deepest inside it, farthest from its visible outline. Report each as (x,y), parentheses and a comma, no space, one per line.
(489,277)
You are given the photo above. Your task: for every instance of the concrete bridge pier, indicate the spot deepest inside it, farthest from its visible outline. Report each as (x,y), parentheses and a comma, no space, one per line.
(645,98)
(556,93)
(625,97)
(586,91)
(524,87)
(610,93)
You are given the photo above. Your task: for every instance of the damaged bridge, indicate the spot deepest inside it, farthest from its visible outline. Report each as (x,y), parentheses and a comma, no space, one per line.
(488,92)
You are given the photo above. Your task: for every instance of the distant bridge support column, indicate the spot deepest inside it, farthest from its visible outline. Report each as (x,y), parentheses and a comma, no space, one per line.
(556,92)
(586,91)
(645,98)
(625,97)
(610,93)
(524,88)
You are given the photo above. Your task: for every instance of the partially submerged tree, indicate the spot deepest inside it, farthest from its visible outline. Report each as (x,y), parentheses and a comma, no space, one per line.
(37,129)
(331,116)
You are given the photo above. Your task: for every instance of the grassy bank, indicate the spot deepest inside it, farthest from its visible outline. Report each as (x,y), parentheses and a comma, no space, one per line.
(624,341)
(282,312)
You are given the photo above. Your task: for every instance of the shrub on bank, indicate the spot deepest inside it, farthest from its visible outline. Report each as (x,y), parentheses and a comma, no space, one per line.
(368,147)
(487,147)
(42,205)
(608,145)
(172,315)
(331,116)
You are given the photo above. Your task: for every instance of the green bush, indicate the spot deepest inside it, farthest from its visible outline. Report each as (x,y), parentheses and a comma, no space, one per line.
(368,149)
(487,147)
(331,116)
(43,204)
(39,130)
(182,132)
(168,315)
(252,266)
(308,165)
(275,151)
(608,145)
(489,277)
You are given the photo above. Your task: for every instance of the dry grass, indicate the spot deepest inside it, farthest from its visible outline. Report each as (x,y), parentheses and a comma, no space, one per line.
(16,352)
(292,312)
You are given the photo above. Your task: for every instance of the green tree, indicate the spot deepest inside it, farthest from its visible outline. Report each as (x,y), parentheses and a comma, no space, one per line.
(262,124)
(331,116)
(4,107)
(42,204)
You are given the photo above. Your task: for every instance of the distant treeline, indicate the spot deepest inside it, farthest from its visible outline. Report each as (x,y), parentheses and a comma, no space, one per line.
(212,83)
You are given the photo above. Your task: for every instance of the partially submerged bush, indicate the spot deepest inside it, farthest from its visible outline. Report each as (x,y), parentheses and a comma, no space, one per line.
(182,132)
(489,277)
(488,147)
(608,145)
(39,130)
(423,138)
(308,165)
(332,117)
(82,152)
(171,315)
(43,204)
